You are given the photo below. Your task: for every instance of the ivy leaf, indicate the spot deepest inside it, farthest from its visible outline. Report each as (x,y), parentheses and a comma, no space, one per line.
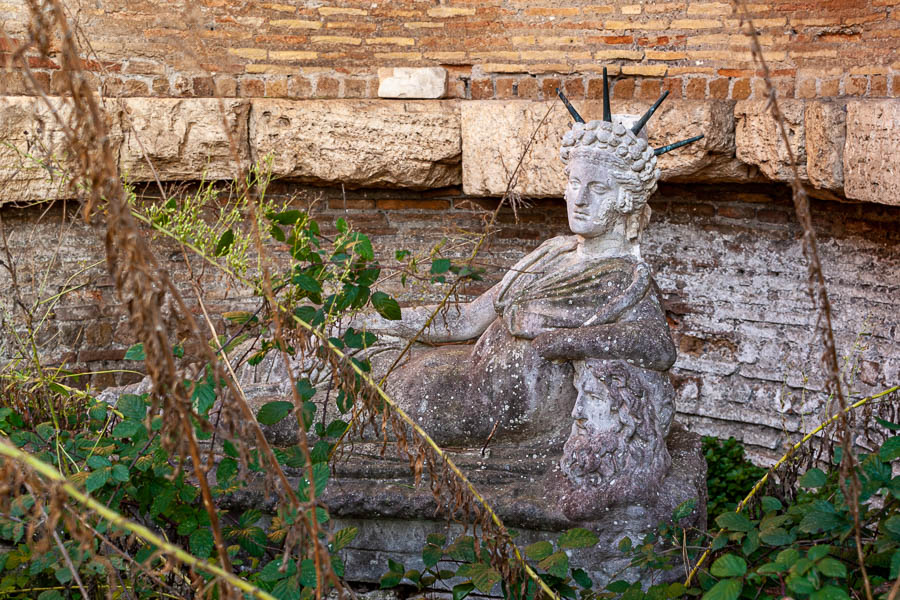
(557,564)
(578,537)
(136,352)
(725,589)
(814,478)
(386,306)
(729,565)
(273,412)
(733,522)
(201,542)
(539,550)
(224,243)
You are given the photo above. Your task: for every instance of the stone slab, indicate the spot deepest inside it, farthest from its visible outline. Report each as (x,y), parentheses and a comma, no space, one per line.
(759,141)
(360,143)
(412,82)
(495,134)
(185,139)
(825,123)
(34,156)
(871,157)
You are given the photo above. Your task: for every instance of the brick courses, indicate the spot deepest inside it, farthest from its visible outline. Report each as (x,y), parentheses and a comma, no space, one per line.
(727,262)
(817,49)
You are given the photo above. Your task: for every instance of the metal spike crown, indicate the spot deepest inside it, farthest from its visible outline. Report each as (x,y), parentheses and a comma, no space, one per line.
(638,126)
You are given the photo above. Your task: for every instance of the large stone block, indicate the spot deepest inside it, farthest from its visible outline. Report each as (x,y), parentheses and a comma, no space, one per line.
(35,160)
(360,142)
(825,125)
(871,159)
(759,140)
(189,138)
(495,135)
(412,82)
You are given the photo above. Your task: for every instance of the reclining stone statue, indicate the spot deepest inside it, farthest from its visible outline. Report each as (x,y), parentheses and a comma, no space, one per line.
(576,325)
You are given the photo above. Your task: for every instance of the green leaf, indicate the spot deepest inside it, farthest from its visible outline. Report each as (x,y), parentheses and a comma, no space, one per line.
(224,243)
(777,536)
(557,564)
(343,537)
(888,424)
(890,450)
(462,590)
(287,217)
(462,549)
(136,352)
(201,542)
(440,265)
(831,567)
(120,473)
(308,573)
(578,538)
(813,478)
(829,592)
(132,406)
(390,579)
(751,542)
(484,577)
(386,306)
(618,587)
(63,575)
(363,247)
(96,480)
(684,509)
(770,504)
(581,578)
(818,552)
(733,521)
(892,524)
(729,565)
(306,283)
(227,469)
(307,414)
(273,412)
(272,571)
(336,428)
(127,429)
(625,544)
(539,550)
(98,462)
(438,539)
(725,589)
(305,389)
(895,565)
(821,517)
(431,555)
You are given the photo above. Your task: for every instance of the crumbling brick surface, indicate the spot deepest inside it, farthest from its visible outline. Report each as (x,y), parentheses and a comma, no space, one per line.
(728,263)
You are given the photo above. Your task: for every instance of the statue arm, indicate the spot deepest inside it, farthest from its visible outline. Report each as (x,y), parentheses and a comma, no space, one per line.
(643,339)
(453,323)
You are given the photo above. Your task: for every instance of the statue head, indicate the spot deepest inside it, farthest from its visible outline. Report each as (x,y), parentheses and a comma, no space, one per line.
(615,432)
(611,175)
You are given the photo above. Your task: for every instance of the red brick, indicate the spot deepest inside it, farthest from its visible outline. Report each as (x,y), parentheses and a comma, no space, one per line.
(829,87)
(674,85)
(528,88)
(574,88)
(623,89)
(895,86)
(878,86)
(482,89)
(355,88)
(327,87)
(548,87)
(718,88)
(806,88)
(650,89)
(618,39)
(392,204)
(204,87)
(251,87)
(504,87)
(696,88)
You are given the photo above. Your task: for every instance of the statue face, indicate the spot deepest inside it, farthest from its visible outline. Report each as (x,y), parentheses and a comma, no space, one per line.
(591,196)
(592,406)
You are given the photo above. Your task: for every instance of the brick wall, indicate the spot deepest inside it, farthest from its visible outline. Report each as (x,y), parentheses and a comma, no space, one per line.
(728,262)
(492,48)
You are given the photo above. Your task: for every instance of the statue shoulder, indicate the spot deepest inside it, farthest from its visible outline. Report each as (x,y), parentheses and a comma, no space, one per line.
(534,260)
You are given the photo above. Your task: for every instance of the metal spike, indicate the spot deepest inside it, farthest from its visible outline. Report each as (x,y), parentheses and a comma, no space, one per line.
(607,109)
(676,145)
(643,120)
(569,106)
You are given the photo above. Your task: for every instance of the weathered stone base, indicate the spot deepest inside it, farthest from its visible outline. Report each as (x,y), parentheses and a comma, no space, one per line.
(377,495)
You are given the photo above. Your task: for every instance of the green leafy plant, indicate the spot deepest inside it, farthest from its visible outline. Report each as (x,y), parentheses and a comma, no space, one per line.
(729,474)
